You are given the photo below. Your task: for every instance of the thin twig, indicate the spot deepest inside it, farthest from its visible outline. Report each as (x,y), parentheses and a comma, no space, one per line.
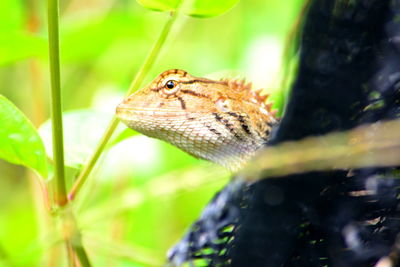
(150,60)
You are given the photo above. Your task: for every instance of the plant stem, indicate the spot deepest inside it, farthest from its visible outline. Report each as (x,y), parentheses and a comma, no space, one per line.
(56,111)
(70,253)
(81,253)
(151,58)
(73,239)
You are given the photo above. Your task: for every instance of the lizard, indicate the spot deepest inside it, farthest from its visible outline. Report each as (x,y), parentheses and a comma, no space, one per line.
(223,121)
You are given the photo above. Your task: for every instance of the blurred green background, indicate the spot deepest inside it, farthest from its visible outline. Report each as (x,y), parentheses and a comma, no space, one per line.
(144,193)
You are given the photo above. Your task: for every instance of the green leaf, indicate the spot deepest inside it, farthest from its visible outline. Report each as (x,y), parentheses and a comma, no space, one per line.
(83,130)
(199,8)
(159,5)
(19,141)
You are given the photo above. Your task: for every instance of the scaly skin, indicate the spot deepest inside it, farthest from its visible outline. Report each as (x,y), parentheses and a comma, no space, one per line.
(221,121)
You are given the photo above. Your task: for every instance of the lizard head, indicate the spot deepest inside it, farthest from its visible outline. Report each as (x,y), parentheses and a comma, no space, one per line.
(209,119)
(173,92)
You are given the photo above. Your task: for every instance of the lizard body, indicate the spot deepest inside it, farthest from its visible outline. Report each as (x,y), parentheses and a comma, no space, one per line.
(222,121)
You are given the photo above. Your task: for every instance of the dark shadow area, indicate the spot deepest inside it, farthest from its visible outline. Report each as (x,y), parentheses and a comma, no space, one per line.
(349,74)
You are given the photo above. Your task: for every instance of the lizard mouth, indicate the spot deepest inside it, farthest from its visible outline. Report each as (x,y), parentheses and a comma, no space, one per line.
(125,111)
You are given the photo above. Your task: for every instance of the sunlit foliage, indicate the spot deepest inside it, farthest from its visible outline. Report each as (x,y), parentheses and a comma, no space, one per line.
(143,194)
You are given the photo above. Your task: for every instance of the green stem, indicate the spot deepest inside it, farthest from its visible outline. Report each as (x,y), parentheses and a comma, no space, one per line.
(70,253)
(73,240)
(81,253)
(150,60)
(56,112)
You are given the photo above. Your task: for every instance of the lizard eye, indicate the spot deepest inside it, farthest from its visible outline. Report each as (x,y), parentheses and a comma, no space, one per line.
(170,87)
(170,84)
